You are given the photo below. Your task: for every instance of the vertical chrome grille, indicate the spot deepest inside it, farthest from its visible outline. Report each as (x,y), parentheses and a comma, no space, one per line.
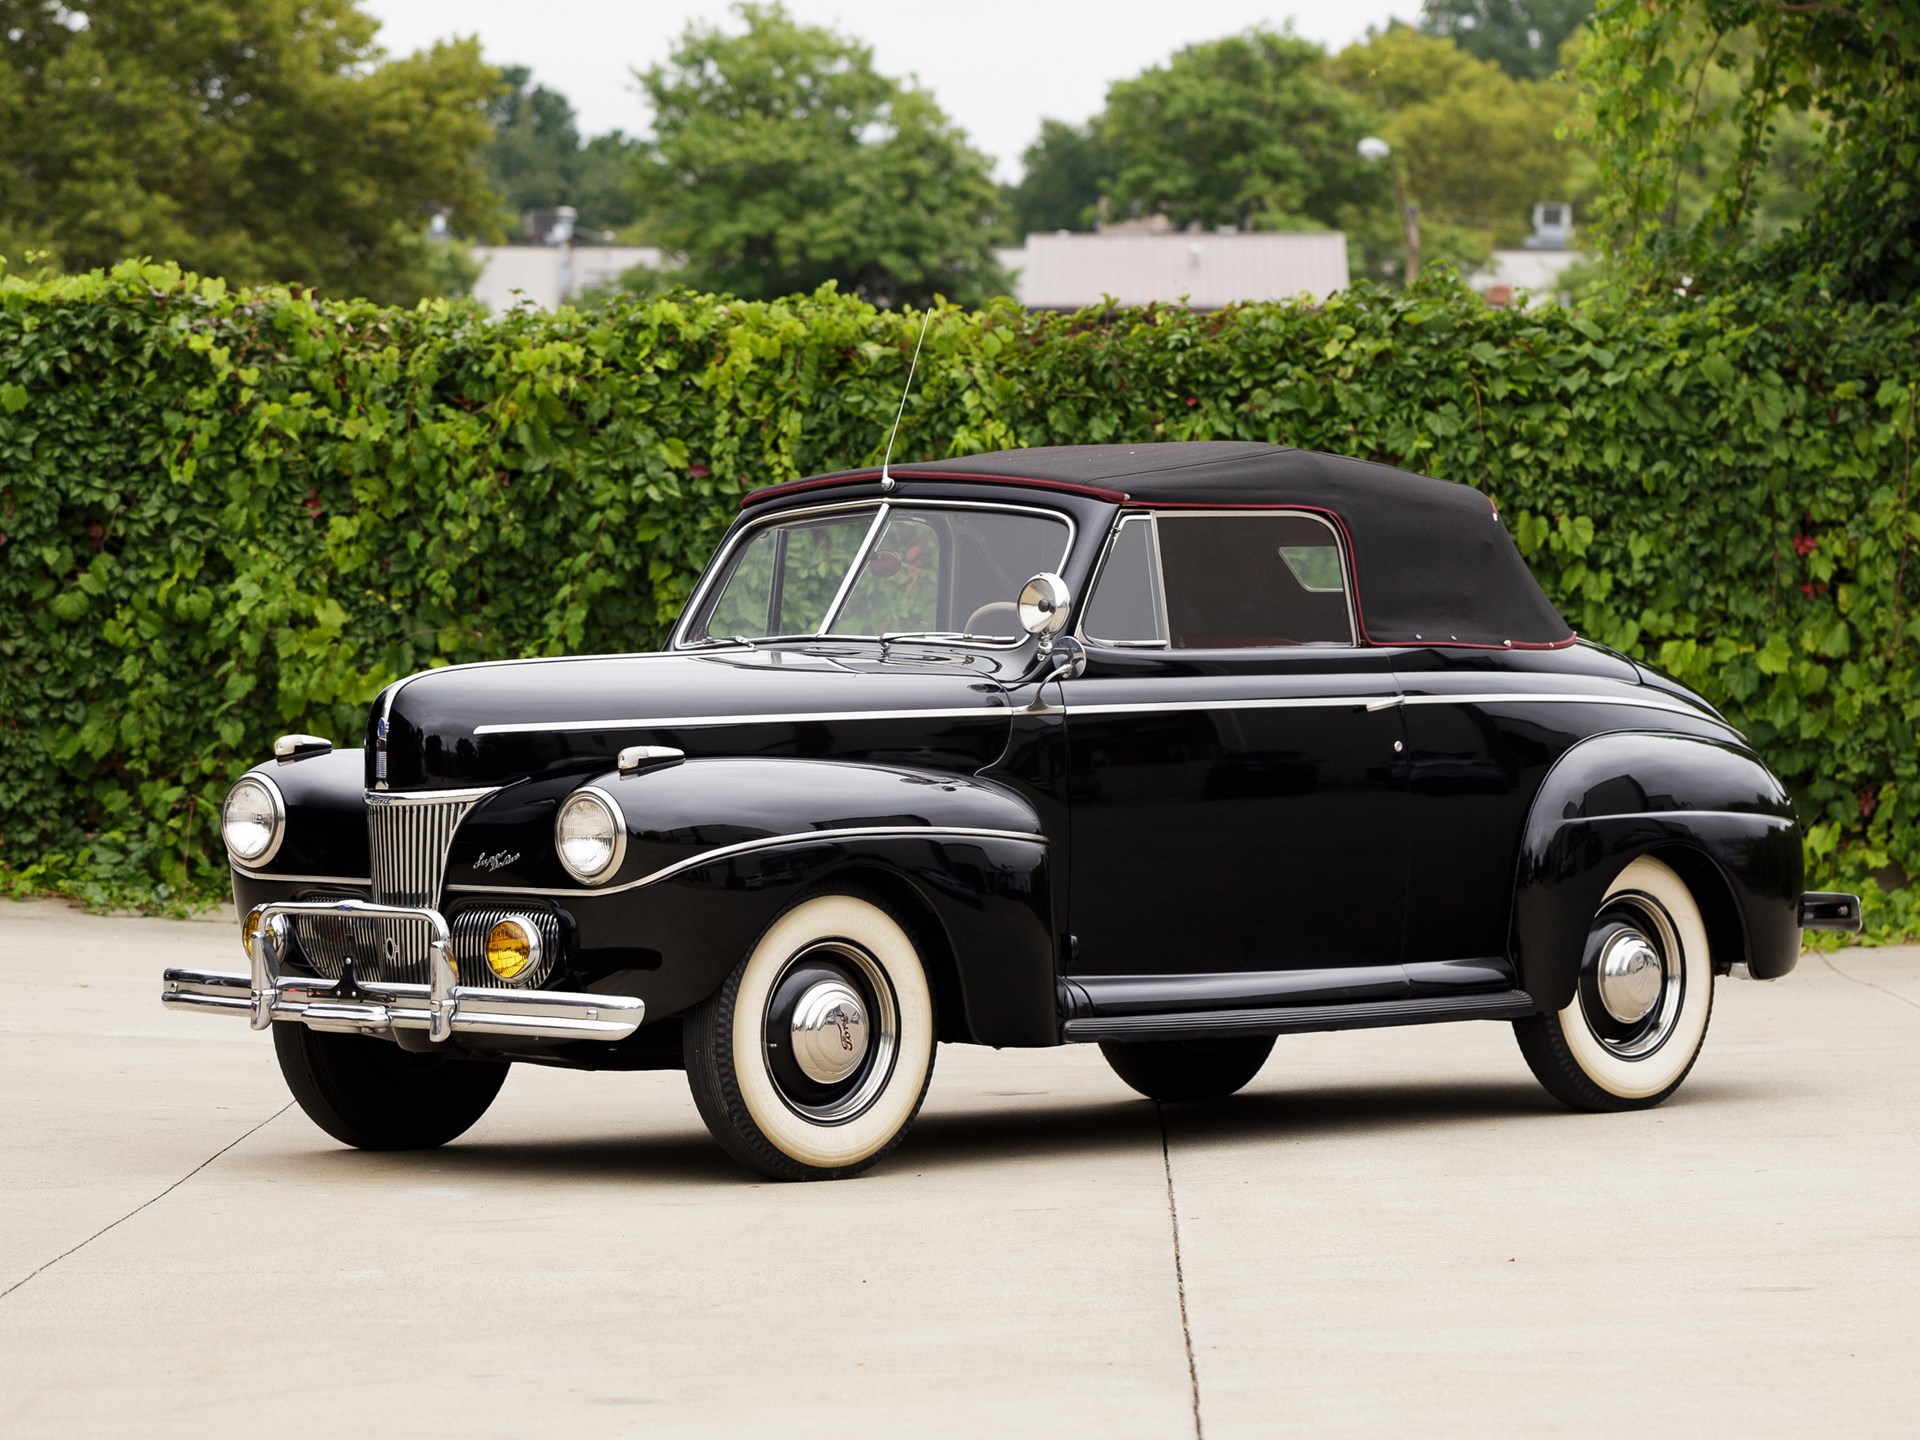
(408,836)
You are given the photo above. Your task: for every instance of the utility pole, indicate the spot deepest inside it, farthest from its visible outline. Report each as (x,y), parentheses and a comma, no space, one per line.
(1373,150)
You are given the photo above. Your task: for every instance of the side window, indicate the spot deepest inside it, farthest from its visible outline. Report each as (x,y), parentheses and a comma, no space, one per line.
(1244,580)
(1125,607)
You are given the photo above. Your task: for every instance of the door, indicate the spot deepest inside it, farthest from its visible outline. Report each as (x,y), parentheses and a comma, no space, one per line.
(1237,793)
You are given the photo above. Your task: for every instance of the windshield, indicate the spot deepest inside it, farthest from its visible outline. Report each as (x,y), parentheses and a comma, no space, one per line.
(920,570)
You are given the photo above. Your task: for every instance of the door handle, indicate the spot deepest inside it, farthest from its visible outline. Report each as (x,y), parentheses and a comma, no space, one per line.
(1375,706)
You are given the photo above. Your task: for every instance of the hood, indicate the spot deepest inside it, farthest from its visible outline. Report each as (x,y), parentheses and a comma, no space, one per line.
(492,724)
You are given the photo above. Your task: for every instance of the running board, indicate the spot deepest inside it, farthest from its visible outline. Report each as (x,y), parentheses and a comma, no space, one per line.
(1282,1019)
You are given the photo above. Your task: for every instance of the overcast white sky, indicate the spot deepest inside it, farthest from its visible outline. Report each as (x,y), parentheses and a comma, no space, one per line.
(996,66)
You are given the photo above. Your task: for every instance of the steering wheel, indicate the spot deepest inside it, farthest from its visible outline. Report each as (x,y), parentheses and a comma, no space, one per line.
(993,610)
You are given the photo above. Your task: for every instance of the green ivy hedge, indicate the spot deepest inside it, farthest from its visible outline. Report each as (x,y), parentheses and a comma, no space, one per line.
(224,516)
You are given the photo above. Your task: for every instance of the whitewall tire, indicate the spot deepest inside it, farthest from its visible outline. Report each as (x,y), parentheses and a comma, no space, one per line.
(1640,1011)
(812,1060)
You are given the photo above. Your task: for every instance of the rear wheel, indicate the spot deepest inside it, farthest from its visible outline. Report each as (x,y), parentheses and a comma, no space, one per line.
(1188,1069)
(1640,1010)
(811,1061)
(373,1095)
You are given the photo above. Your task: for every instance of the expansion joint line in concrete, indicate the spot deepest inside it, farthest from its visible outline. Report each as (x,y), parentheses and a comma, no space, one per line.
(1179,1270)
(1828,961)
(151,1200)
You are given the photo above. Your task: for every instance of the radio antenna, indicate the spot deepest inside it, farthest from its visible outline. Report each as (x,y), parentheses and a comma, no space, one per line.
(886,480)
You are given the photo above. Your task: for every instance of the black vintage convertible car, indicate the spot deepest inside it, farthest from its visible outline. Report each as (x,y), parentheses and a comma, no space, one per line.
(1313,752)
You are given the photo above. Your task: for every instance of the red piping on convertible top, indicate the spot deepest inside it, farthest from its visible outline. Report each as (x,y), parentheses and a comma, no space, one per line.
(1064,487)
(1353,567)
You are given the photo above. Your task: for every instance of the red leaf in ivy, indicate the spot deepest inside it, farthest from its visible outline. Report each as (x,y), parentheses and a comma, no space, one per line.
(698,472)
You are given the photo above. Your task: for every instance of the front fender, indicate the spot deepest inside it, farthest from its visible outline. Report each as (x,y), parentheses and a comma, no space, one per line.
(326,834)
(716,848)
(1709,808)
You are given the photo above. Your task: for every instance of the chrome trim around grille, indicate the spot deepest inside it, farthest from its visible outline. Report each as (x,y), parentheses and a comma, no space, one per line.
(408,837)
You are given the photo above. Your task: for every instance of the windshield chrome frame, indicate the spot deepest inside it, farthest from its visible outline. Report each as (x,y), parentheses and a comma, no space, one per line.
(721,563)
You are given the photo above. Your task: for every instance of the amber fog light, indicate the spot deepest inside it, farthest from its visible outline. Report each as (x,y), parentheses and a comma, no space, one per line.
(250,927)
(512,949)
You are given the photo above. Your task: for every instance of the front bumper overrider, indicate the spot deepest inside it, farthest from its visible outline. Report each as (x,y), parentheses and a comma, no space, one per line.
(443,1008)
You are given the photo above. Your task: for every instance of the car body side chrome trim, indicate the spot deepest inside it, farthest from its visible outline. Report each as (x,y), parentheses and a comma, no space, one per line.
(770,842)
(1282,702)
(1280,1019)
(686,722)
(1496,697)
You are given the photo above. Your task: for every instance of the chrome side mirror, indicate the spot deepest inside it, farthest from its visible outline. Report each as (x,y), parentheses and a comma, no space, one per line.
(1045,604)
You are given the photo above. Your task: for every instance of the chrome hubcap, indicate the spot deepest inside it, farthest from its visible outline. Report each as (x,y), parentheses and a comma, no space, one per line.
(829,1031)
(1634,980)
(1629,975)
(832,1031)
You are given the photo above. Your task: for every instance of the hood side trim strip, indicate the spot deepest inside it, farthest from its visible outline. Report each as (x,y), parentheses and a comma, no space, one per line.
(677,722)
(725,852)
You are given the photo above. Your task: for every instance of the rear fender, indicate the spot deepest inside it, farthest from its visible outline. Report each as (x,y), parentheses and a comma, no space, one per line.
(1708,808)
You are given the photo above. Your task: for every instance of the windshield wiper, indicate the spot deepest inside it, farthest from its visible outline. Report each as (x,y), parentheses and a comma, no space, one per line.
(706,640)
(942,635)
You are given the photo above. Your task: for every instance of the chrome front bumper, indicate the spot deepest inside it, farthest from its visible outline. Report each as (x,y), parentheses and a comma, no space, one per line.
(443,1008)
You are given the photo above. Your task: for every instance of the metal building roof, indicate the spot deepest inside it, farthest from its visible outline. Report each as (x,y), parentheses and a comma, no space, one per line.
(1203,270)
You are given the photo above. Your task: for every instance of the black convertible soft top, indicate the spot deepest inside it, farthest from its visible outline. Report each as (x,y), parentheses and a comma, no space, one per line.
(1432,563)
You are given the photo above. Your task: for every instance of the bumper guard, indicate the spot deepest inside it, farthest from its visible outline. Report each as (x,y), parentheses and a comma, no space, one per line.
(443,1008)
(1829,910)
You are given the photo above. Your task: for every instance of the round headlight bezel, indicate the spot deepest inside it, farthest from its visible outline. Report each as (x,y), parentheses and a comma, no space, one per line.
(592,796)
(276,805)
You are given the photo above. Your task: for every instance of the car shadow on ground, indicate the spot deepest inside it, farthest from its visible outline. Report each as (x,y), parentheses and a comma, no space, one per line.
(983,1136)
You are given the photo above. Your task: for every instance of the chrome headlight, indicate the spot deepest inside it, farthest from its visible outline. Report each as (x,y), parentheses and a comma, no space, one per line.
(591,835)
(254,820)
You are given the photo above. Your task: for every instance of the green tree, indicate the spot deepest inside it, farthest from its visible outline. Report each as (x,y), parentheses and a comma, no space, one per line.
(1664,85)
(781,160)
(1478,146)
(1249,131)
(537,159)
(1522,37)
(260,140)
(1066,174)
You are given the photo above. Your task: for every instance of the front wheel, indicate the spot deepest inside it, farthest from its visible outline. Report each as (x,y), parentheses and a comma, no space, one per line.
(812,1059)
(1188,1069)
(1640,1010)
(373,1095)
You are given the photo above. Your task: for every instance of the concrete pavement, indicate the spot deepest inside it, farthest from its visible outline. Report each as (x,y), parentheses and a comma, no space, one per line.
(1390,1231)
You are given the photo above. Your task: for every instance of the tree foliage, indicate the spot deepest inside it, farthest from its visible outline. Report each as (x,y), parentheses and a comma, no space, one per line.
(263,140)
(1066,173)
(1666,78)
(1479,146)
(1249,131)
(1522,37)
(537,159)
(225,516)
(781,159)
